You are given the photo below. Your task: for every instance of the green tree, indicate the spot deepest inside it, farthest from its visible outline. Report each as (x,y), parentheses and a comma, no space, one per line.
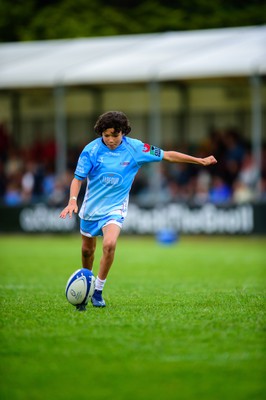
(55,19)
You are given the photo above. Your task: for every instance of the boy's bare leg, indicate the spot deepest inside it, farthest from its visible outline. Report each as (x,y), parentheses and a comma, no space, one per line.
(87,251)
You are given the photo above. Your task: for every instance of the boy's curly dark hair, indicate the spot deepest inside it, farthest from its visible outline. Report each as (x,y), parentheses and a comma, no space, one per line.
(112,119)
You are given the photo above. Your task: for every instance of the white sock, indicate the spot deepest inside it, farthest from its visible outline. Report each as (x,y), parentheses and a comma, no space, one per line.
(99,284)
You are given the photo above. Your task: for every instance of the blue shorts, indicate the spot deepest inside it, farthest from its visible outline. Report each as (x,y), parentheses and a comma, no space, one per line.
(94,228)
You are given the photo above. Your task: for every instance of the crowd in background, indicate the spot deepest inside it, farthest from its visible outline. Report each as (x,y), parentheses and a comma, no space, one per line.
(27,175)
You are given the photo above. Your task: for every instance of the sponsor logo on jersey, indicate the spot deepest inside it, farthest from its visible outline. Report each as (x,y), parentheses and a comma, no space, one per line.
(111,179)
(146,148)
(125,163)
(153,150)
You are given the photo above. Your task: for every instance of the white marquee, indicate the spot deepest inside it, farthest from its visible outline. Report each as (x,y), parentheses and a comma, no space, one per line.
(227,52)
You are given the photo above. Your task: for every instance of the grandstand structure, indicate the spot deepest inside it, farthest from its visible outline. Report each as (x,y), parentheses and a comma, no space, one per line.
(174,86)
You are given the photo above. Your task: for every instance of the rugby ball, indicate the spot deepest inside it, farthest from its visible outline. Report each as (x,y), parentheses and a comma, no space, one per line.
(80,287)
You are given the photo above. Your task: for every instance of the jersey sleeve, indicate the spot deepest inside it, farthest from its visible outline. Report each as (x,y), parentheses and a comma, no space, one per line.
(146,153)
(84,165)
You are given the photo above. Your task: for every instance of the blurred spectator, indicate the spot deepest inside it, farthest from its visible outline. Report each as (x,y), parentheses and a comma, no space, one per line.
(59,190)
(57,196)
(233,156)
(242,193)
(27,182)
(213,143)
(28,176)
(12,195)
(220,192)
(248,173)
(203,182)
(49,180)
(14,162)
(234,149)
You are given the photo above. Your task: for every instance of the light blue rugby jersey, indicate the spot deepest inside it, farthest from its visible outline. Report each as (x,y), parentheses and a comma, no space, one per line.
(110,174)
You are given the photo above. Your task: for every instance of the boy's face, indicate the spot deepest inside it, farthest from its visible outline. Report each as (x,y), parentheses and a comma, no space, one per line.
(111,138)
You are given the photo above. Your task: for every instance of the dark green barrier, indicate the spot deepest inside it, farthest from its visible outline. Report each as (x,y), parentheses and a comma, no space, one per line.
(39,218)
(208,219)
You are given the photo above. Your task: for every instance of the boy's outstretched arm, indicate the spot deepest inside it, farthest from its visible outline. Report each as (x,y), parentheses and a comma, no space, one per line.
(176,157)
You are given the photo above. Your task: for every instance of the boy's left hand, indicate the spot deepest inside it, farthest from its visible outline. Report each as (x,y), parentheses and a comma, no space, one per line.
(209,161)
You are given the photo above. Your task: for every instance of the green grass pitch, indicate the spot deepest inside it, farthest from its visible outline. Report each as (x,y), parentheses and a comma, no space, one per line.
(182,322)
